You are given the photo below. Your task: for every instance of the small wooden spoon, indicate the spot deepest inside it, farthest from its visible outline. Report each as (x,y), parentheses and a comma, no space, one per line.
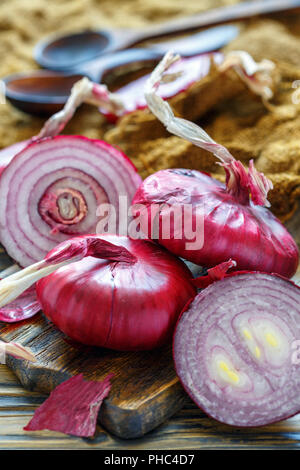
(72,50)
(44,92)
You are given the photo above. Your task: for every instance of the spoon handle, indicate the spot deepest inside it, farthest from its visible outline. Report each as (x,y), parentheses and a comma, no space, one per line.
(97,67)
(216,16)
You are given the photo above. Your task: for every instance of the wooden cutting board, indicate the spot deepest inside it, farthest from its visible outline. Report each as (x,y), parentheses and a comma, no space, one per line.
(145,390)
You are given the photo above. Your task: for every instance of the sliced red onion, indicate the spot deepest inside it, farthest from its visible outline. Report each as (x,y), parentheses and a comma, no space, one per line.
(236,349)
(195,68)
(52,189)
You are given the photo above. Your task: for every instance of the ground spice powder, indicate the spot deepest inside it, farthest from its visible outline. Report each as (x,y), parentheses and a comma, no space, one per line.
(229,112)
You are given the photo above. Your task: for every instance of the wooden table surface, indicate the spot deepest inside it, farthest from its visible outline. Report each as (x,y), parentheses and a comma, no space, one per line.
(188,429)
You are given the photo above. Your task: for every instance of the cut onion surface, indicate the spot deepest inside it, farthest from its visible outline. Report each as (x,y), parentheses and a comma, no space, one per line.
(8,153)
(195,68)
(236,349)
(51,191)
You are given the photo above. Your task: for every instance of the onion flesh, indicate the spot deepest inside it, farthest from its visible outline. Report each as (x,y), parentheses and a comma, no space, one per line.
(72,175)
(235,349)
(132,95)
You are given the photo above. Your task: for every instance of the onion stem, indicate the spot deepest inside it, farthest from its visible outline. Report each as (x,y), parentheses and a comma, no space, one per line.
(84,91)
(239,183)
(67,252)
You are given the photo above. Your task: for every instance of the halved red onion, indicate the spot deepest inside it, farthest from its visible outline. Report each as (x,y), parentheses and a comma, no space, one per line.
(236,349)
(132,95)
(51,191)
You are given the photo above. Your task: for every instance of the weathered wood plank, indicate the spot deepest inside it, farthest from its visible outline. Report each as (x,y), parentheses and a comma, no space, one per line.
(187,429)
(145,388)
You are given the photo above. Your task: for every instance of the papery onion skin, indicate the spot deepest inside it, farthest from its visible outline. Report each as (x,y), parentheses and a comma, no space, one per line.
(119,306)
(92,167)
(248,233)
(219,313)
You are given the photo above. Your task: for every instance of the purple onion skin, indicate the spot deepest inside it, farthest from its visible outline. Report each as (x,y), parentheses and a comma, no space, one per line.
(261,411)
(248,233)
(119,306)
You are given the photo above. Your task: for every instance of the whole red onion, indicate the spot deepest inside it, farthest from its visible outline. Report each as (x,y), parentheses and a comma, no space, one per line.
(236,349)
(108,291)
(224,220)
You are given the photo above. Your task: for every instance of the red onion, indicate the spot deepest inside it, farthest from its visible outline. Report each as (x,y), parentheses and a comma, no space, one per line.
(224,221)
(51,191)
(132,95)
(118,293)
(257,76)
(236,349)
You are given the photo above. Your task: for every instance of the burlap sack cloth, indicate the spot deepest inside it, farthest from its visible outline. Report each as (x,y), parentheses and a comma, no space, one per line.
(226,109)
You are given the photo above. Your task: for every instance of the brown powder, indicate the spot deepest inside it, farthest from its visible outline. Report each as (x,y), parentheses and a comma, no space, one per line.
(235,117)
(227,110)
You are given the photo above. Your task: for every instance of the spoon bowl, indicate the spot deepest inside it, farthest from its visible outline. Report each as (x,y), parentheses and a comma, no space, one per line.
(69,51)
(45,92)
(62,53)
(42,92)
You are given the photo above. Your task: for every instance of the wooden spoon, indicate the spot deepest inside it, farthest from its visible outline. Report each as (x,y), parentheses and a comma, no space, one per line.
(72,50)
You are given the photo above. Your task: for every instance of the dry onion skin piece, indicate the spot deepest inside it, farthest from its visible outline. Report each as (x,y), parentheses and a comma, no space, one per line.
(235,349)
(256,75)
(51,191)
(22,308)
(72,407)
